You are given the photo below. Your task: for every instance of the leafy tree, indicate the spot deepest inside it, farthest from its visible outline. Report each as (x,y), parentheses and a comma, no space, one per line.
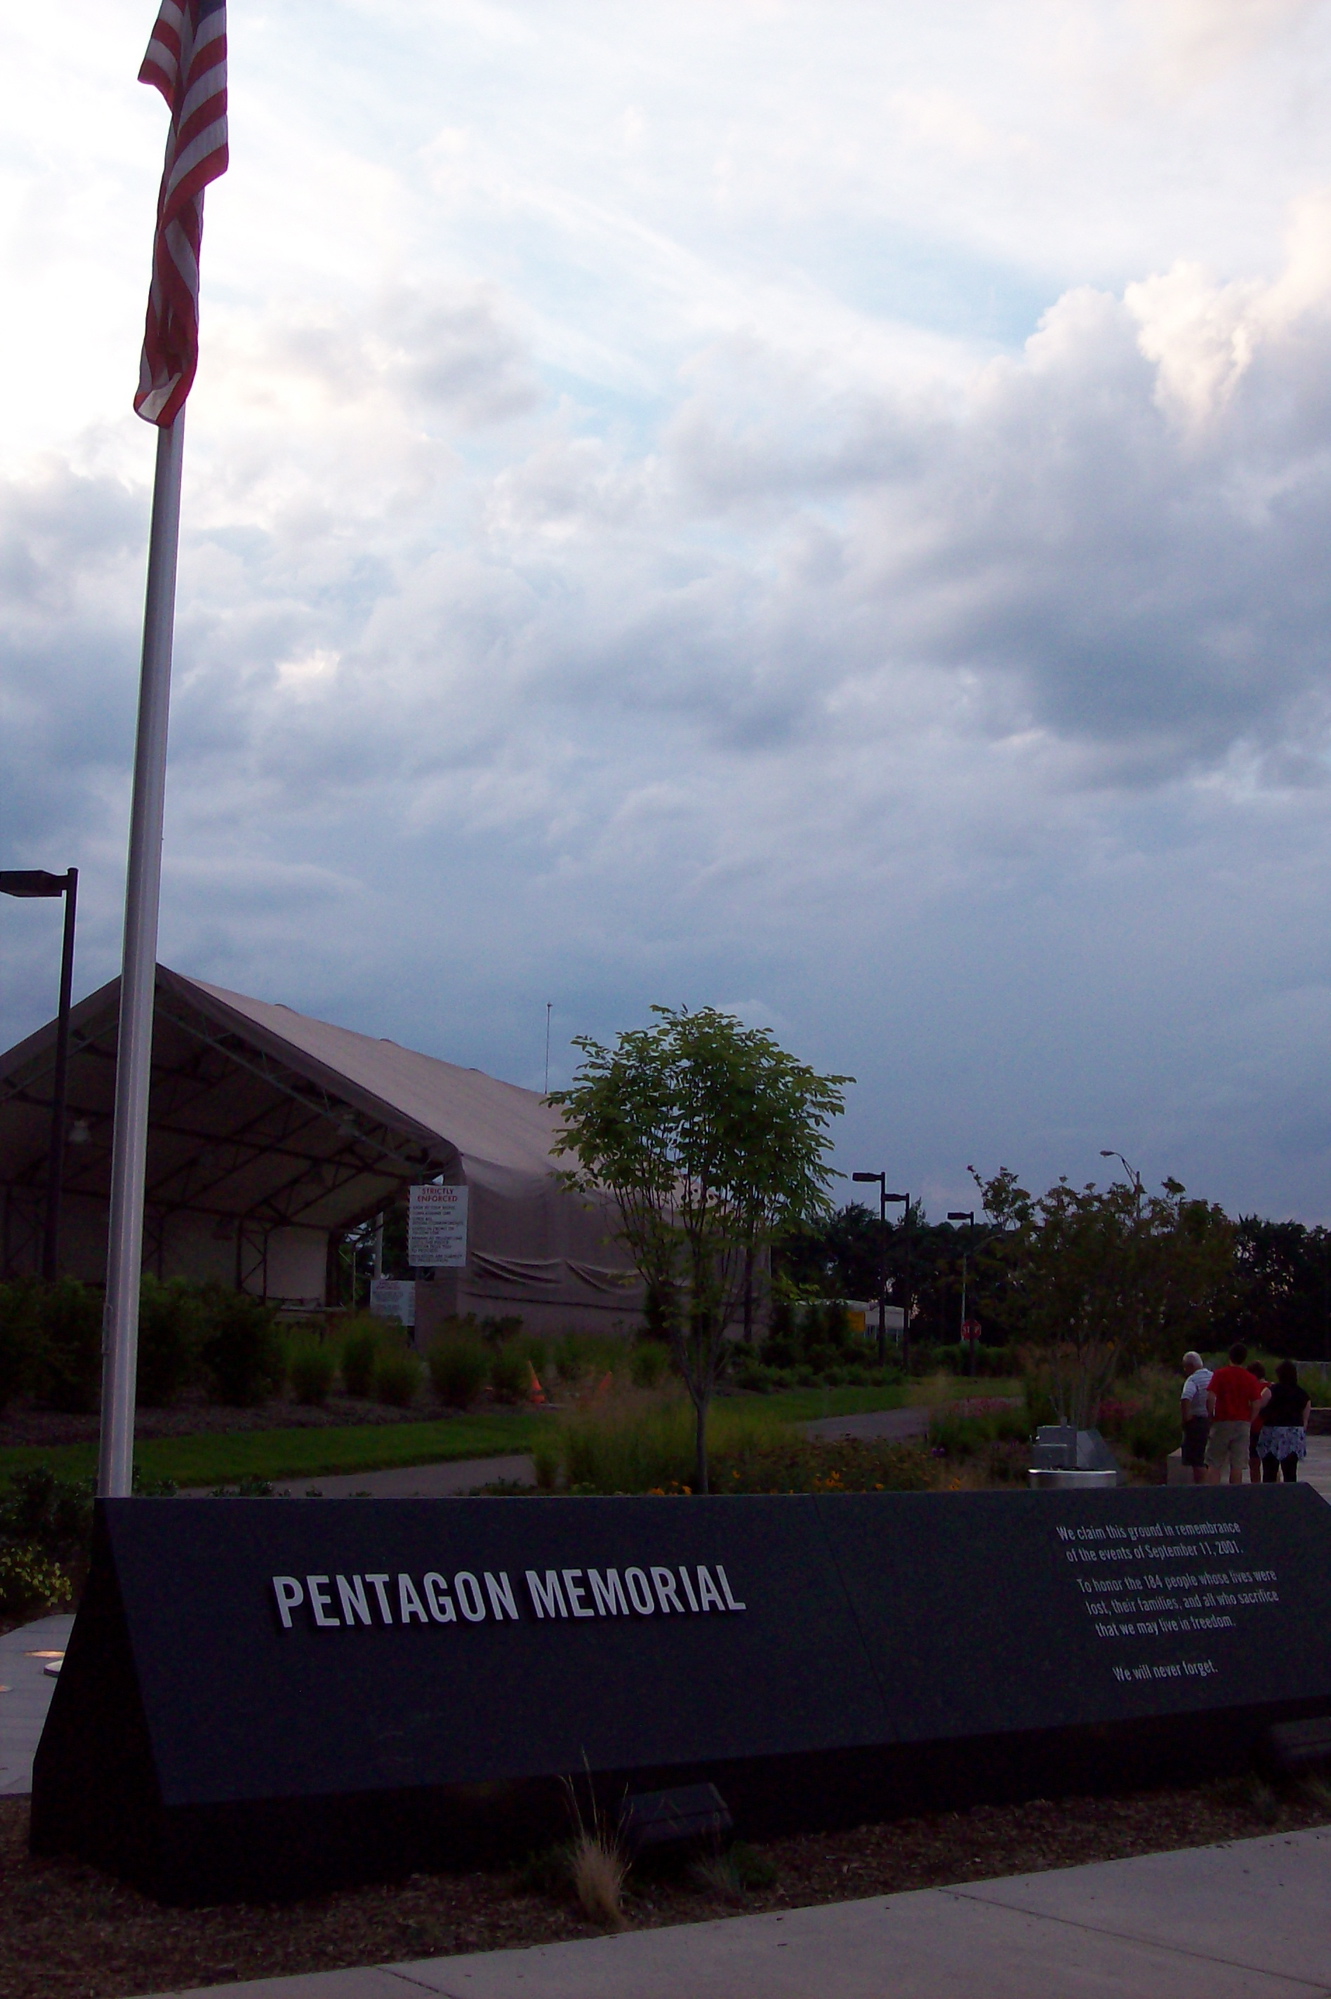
(1283,1294)
(712,1141)
(1098,1275)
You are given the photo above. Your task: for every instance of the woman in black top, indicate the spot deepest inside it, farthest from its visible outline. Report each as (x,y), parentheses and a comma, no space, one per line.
(1284,1433)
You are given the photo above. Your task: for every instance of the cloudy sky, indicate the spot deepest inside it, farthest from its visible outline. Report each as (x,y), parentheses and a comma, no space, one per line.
(814,507)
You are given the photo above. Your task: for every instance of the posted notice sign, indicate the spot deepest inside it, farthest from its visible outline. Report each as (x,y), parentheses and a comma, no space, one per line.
(393,1298)
(437,1228)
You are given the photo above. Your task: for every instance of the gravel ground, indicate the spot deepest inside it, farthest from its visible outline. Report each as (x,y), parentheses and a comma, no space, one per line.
(68,1932)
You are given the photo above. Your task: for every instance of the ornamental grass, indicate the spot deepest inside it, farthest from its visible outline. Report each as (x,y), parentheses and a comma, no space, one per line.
(641,1444)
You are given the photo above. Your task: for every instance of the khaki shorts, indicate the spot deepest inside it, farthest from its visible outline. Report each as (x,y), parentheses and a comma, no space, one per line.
(1228,1445)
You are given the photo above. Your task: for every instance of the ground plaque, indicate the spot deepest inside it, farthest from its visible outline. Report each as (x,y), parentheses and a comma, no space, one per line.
(262,1695)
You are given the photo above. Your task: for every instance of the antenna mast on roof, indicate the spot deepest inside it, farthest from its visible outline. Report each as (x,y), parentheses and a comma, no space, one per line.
(548,1005)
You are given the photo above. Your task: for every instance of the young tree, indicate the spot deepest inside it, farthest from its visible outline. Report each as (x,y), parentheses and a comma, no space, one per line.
(1096,1276)
(712,1141)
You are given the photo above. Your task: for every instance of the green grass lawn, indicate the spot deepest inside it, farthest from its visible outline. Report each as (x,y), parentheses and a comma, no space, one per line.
(806,1405)
(961,1387)
(221,1457)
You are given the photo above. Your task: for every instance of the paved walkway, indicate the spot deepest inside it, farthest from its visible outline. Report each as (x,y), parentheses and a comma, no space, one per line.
(25,1695)
(1246,1920)
(404,1481)
(893,1424)
(1314,1471)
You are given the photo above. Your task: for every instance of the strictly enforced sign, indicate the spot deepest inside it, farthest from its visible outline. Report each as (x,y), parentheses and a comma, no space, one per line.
(437,1228)
(334,1602)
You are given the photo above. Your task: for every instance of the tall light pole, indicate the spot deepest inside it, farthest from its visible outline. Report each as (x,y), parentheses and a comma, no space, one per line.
(881,1178)
(965,1215)
(1107,1152)
(883,1198)
(905,1278)
(36,882)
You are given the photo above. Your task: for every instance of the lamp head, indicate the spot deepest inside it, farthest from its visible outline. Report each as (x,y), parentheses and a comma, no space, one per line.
(31,881)
(867,1176)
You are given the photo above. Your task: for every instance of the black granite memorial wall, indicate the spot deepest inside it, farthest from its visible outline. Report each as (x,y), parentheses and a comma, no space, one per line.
(262,1696)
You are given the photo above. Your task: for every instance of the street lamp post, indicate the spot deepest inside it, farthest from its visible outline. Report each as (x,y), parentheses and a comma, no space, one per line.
(27,882)
(905,1278)
(965,1215)
(883,1198)
(1107,1152)
(881,1179)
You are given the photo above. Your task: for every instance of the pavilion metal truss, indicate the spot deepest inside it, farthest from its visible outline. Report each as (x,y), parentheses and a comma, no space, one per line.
(321,1141)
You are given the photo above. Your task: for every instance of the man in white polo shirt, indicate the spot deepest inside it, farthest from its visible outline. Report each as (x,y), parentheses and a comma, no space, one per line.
(1193,1414)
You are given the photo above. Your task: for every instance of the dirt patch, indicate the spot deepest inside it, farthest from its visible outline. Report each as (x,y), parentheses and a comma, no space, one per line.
(69,1932)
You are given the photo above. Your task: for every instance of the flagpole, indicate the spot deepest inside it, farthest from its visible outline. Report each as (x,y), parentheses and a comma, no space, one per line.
(138,982)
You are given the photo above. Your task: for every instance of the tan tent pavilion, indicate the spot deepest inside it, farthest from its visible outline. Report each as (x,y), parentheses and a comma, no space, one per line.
(271,1135)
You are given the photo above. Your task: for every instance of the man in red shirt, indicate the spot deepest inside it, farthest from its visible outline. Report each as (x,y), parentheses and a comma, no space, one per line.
(1233,1398)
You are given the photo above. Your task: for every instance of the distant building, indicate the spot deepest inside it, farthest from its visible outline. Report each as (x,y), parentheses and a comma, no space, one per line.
(271,1135)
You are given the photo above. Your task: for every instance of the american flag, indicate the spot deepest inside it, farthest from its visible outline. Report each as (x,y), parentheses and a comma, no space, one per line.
(186,61)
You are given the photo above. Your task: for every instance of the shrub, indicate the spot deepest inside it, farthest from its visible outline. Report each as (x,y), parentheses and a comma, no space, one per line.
(311,1368)
(170,1331)
(581,1357)
(986,1360)
(458,1368)
(495,1331)
(814,1337)
(510,1375)
(753,1869)
(966,1435)
(397,1378)
(242,1351)
(68,1358)
(535,1351)
(1143,1422)
(43,1510)
(649,1364)
(360,1348)
(19,1340)
(30,1580)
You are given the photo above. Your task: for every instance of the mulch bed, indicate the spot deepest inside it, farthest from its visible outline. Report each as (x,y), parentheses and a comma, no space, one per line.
(69,1932)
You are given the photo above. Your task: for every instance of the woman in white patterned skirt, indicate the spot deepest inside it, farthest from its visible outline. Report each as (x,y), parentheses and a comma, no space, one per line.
(1283,1438)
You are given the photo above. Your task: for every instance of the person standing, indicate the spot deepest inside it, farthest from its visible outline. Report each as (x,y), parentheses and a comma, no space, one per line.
(1255,1431)
(1233,1398)
(1193,1415)
(1283,1438)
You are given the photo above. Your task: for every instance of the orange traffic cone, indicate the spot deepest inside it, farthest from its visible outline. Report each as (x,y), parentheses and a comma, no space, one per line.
(535,1394)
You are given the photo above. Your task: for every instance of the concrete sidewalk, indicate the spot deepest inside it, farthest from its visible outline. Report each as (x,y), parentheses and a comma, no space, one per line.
(438,1481)
(25,1695)
(893,1424)
(1247,1920)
